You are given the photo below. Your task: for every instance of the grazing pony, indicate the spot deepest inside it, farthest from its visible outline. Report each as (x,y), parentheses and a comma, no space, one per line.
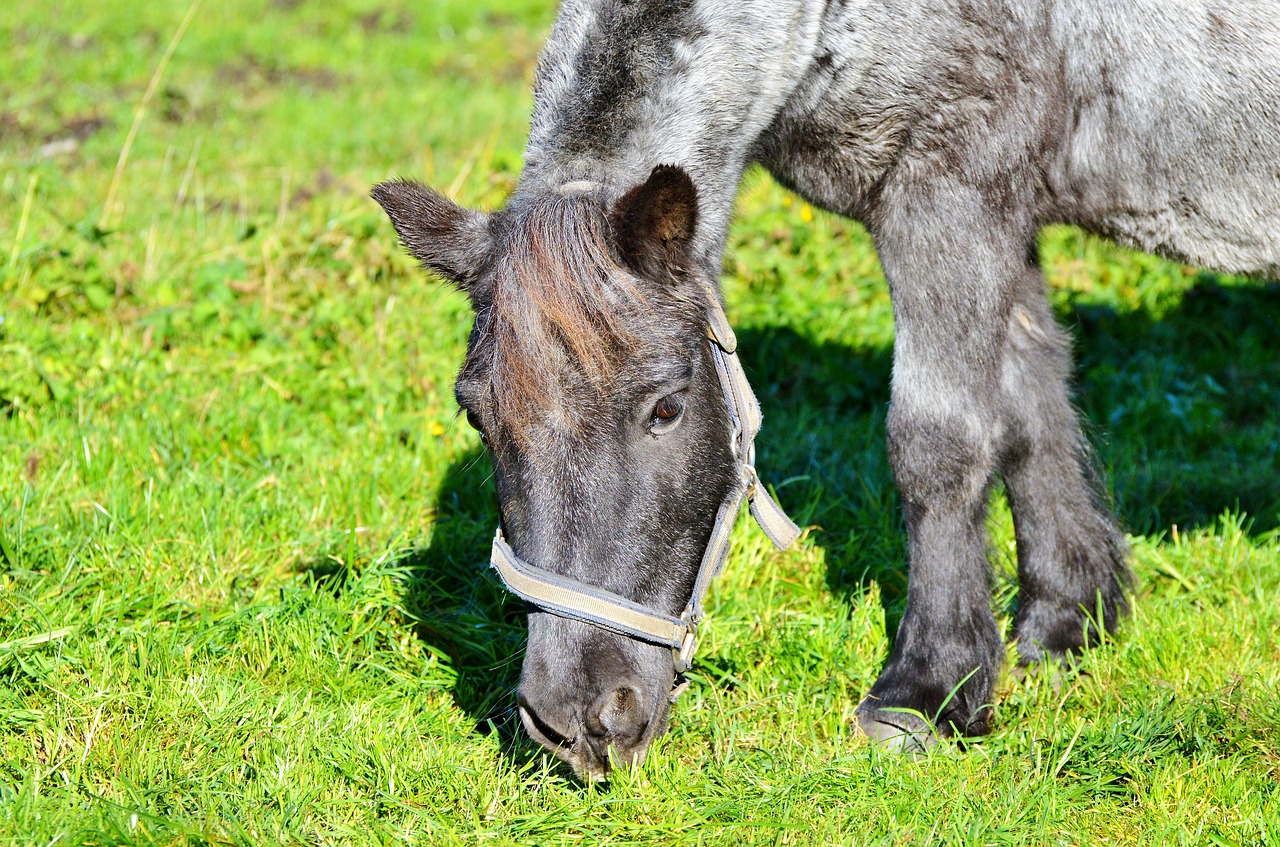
(953,130)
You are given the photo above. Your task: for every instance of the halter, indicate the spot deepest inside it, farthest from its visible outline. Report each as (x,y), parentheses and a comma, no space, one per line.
(576,600)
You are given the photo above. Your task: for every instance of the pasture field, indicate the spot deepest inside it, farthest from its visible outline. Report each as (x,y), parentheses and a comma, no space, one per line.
(243,532)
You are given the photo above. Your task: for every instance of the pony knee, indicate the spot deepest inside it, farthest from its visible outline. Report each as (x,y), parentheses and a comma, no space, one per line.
(940,462)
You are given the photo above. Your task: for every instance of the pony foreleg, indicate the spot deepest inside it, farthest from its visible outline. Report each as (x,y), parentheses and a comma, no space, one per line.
(952,270)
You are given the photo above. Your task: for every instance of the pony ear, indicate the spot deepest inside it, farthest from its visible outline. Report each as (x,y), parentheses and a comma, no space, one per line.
(446,238)
(657,219)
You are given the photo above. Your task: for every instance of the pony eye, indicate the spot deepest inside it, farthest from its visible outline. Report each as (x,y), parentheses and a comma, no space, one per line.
(666,411)
(474,423)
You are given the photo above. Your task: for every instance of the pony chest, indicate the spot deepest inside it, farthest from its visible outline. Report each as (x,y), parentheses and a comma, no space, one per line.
(836,151)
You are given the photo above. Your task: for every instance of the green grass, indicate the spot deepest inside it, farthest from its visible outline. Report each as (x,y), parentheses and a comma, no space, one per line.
(242,530)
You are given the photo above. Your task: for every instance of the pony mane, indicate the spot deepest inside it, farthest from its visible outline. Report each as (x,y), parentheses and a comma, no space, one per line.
(561,308)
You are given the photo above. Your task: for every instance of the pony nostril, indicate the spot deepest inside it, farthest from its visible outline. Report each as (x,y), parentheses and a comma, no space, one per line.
(619,713)
(542,730)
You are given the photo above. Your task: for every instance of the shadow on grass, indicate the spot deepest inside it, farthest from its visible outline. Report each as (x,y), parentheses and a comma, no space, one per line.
(822,447)
(1188,407)
(460,610)
(1184,412)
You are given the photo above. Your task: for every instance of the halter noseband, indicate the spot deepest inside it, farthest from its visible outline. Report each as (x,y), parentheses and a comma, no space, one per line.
(576,600)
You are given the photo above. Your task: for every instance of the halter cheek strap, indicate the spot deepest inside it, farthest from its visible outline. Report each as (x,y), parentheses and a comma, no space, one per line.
(576,600)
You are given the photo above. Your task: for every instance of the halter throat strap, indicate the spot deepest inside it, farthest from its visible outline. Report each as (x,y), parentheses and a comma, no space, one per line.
(576,600)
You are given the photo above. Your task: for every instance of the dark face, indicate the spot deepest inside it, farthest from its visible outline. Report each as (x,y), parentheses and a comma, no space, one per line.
(610,447)
(622,496)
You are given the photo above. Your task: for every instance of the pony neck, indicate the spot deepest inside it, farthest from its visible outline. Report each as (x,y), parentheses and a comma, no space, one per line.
(624,87)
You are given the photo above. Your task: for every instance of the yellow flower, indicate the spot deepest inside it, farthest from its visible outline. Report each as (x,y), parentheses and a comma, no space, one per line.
(437,429)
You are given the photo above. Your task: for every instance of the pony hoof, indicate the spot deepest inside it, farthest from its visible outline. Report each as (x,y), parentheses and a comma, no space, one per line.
(897,732)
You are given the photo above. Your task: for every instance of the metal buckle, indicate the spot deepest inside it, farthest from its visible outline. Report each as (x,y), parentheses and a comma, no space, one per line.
(683,657)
